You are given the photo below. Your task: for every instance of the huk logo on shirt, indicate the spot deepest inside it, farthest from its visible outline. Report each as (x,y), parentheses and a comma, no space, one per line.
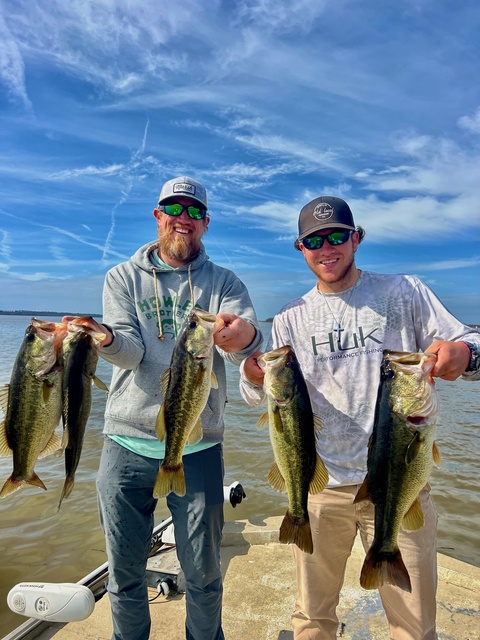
(358,339)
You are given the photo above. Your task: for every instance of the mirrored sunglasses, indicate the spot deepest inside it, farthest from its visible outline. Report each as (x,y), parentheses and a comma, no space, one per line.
(177,209)
(335,238)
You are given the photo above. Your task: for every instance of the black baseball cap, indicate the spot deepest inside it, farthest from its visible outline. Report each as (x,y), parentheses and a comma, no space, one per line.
(325,212)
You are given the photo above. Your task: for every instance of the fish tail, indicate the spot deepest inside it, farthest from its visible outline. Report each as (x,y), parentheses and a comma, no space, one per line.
(382,567)
(296,531)
(12,484)
(67,489)
(169,479)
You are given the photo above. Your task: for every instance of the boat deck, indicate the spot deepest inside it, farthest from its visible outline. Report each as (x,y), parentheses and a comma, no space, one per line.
(259,594)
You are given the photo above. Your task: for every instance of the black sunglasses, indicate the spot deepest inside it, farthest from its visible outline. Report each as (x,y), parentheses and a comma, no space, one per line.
(334,238)
(177,209)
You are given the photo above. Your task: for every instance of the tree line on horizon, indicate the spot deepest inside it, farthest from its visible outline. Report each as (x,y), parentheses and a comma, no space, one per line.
(29,312)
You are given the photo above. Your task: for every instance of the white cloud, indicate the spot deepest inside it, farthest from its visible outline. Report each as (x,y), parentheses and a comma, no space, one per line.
(5,244)
(12,69)
(471,124)
(440,168)
(71,174)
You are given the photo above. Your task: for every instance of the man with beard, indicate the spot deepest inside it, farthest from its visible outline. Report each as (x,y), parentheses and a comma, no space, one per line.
(145,302)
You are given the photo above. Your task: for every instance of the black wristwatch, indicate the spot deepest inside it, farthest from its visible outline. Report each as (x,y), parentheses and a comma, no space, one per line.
(474,364)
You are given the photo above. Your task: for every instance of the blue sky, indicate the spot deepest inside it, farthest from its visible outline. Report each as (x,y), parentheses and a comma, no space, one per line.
(268,103)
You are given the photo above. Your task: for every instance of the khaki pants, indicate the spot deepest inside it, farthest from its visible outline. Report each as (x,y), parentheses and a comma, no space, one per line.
(335,521)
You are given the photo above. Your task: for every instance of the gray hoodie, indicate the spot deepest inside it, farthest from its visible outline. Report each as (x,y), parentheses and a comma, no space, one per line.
(135,294)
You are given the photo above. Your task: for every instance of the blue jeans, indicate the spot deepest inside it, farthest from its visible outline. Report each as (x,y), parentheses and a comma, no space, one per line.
(124,484)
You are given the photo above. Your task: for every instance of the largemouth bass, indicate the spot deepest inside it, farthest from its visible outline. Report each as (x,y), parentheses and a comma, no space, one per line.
(79,356)
(185,387)
(400,457)
(297,469)
(32,404)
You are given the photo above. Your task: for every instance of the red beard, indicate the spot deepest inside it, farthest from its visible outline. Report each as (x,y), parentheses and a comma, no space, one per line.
(178,247)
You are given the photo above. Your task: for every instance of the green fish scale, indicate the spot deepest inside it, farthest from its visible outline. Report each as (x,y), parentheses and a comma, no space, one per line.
(393,484)
(294,445)
(80,361)
(188,389)
(30,421)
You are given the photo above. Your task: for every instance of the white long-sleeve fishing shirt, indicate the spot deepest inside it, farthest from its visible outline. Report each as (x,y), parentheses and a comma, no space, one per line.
(395,312)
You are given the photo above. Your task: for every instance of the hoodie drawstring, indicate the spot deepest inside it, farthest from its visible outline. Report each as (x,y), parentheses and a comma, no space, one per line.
(157,304)
(157,301)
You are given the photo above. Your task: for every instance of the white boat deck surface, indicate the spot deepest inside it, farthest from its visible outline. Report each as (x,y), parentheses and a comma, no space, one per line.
(259,595)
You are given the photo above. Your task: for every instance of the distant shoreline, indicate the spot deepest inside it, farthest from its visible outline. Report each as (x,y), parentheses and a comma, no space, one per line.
(38,314)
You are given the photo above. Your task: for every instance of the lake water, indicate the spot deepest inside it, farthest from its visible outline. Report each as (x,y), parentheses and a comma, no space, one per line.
(39,543)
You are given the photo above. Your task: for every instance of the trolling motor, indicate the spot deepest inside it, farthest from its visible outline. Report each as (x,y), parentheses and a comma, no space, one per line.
(53,602)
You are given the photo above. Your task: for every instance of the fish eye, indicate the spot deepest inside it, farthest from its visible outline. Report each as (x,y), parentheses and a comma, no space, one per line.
(192,324)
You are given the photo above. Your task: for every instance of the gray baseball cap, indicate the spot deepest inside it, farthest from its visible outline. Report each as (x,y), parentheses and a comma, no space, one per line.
(325,212)
(183,186)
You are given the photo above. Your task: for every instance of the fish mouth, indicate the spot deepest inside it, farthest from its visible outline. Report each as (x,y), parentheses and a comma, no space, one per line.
(207,318)
(275,354)
(275,358)
(403,361)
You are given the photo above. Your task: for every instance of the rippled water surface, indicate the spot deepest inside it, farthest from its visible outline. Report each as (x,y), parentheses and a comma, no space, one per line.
(39,543)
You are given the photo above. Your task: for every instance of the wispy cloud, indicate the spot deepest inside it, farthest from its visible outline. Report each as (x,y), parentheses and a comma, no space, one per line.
(103,248)
(5,247)
(269,103)
(448,265)
(12,69)
(471,123)
(72,174)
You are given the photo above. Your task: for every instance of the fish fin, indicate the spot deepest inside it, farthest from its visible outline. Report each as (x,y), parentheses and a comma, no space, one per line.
(277,420)
(12,485)
(363,492)
(263,420)
(67,489)
(46,391)
(413,519)
(99,383)
(437,458)
(214,381)
(5,449)
(380,568)
(317,423)
(4,394)
(196,434)
(160,424)
(414,448)
(320,477)
(52,445)
(169,479)
(276,479)
(165,381)
(200,375)
(63,443)
(296,531)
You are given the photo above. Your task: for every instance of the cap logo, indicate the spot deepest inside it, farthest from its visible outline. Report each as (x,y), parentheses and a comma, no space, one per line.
(323,211)
(184,187)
